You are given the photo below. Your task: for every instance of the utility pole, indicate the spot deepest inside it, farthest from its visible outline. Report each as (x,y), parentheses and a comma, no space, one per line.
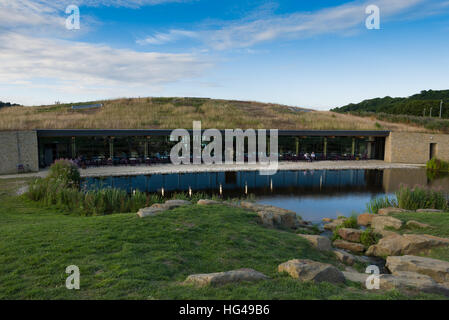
(441,107)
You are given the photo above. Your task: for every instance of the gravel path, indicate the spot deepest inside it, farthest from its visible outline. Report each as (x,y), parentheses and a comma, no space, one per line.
(170,168)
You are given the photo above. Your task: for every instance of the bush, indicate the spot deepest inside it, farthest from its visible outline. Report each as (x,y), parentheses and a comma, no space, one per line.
(369,237)
(65,173)
(380,202)
(437,165)
(421,198)
(350,223)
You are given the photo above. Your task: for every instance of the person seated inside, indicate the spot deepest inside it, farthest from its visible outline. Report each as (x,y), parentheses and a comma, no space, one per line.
(307,156)
(313,156)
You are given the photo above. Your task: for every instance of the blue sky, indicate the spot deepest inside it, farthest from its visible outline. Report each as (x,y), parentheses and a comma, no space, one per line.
(315,54)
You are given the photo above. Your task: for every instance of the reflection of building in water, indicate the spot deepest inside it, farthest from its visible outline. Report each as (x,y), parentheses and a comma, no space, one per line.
(394,178)
(317,182)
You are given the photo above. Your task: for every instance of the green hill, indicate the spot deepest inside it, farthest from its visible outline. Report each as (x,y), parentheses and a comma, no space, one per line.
(415,105)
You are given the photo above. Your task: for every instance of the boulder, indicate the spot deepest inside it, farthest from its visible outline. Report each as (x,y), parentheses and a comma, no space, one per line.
(344,257)
(350,246)
(390,210)
(428,210)
(274,216)
(327,220)
(365,219)
(401,281)
(381,222)
(220,278)
(308,270)
(334,224)
(416,224)
(395,245)
(436,269)
(349,234)
(148,212)
(207,202)
(320,242)
(171,204)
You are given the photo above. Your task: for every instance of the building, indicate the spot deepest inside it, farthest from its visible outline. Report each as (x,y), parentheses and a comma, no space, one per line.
(25,151)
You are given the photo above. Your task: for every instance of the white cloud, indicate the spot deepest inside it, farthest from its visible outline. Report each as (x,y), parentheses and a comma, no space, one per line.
(171,36)
(266,26)
(26,58)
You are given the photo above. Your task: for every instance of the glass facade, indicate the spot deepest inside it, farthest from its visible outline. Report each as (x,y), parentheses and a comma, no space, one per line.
(124,149)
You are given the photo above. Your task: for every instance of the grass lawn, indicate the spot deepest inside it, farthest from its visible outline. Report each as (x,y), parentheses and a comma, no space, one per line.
(124,257)
(439,223)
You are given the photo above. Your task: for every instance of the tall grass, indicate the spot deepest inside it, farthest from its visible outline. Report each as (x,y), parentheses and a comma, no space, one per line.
(168,113)
(411,199)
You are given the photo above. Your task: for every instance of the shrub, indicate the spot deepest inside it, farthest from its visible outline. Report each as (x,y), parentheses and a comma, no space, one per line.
(65,173)
(369,237)
(421,198)
(437,165)
(380,202)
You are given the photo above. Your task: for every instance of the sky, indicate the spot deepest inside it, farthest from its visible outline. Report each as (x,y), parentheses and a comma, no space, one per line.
(315,54)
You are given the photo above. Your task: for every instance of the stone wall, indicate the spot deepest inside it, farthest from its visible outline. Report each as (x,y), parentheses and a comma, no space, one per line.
(19,152)
(414,148)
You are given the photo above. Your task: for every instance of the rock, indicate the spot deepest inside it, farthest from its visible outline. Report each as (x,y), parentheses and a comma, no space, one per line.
(349,234)
(436,269)
(334,224)
(171,204)
(148,212)
(350,246)
(390,210)
(308,270)
(386,233)
(356,277)
(416,224)
(401,281)
(207,202)
(220,278)
(327,220)
(344,257)
(396,245)
(274,216)
(320,242)
(428,210)
(365,219)
(380,222)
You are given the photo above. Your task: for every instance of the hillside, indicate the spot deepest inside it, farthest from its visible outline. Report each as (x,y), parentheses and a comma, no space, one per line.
(169,113)
(415,105)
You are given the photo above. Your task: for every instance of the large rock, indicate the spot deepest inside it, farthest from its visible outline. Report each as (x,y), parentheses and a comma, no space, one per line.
(436,269)
(148,212)
(334,224)
(428,210)
(416,224)
(381,222)
(219,278)
(207,202)
(395,245)
(327,220)
(401,281)
(349,234)
(320,242)
(344,257)
(350,246)
(365,219)
(171,204)
(274,216)
(390,210)
(308,270)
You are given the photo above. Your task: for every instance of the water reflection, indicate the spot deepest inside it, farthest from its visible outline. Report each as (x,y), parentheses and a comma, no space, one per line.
(312,194)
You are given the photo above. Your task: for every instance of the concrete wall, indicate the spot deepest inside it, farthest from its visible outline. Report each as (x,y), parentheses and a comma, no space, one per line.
(18,148)
(414,148)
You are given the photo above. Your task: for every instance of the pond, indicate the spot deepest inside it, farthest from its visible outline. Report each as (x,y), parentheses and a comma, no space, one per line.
(313,194)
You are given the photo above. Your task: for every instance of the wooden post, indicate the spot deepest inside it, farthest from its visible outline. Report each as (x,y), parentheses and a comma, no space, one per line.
(73,148)
(325,146)
(353,146)
(297,146)
(111,148)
